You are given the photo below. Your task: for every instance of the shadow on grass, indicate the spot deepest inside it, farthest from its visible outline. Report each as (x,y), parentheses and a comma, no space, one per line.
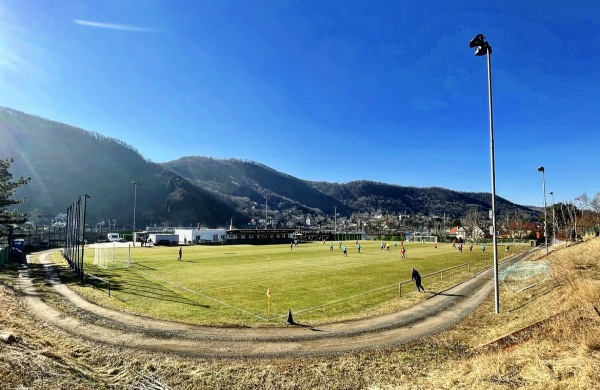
(40,275)
(166,298)
(130,285)
(134,285)
(144,266)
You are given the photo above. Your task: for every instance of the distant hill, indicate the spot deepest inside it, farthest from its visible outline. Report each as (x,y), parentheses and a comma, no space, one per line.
(433,201)
(66,162)
(247,183)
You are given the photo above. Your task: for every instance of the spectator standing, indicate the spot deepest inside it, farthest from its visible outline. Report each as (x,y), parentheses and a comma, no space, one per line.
(417,278)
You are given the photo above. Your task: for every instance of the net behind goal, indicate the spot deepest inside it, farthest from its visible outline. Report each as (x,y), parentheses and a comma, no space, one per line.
(425,239)
(111,255)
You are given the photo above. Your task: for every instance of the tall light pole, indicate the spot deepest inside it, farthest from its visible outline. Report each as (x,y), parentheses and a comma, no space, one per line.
(135,186)
(541,169)
(553,222)
(334,221)
(482,47)
(266,215)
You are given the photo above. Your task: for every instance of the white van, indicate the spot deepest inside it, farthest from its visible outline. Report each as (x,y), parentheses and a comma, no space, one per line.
(113,237)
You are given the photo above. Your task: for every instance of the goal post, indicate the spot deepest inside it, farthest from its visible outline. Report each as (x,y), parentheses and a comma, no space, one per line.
(425,239)
(113,255)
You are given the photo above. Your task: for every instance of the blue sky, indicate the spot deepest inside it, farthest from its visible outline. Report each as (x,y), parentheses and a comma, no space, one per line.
(324,90)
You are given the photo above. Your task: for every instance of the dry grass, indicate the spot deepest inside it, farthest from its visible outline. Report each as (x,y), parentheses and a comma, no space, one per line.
(555,345)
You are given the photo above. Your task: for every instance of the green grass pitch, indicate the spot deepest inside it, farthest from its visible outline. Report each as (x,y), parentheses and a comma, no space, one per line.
(227,284)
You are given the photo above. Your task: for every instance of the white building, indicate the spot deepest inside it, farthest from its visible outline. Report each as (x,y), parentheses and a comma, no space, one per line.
(201,236)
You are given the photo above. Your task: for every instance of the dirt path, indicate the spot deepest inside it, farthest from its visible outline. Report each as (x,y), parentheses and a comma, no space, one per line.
(440,311)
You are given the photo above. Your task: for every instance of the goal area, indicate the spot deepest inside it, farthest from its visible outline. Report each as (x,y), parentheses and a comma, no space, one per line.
(425,239)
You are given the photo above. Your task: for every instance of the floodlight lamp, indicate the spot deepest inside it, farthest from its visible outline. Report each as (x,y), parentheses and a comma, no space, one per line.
(482,50)
(479,40)
(541,169)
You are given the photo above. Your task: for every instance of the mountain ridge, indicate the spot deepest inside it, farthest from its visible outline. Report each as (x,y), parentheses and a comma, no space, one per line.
(66,162)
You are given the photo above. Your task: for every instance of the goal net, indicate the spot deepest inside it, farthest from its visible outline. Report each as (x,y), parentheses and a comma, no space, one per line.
(523,275)
(112,255)
(425,239)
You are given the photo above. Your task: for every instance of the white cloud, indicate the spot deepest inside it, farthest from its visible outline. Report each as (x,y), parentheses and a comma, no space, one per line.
(112,26)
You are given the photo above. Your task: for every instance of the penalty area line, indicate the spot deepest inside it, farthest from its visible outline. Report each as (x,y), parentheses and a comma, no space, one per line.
(204,295)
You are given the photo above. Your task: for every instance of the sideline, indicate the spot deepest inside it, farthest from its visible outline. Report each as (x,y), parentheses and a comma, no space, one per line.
(437,313)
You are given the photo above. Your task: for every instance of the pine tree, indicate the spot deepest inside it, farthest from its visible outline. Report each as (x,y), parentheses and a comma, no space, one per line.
(8,189)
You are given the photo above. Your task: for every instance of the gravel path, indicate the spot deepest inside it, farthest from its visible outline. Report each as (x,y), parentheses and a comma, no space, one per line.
(440,311)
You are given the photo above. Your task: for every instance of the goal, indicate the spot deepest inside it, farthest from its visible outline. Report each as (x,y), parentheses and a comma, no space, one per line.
(105,255)
(425,239)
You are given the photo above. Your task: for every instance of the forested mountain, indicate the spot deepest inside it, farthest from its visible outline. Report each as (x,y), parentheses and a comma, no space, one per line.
(248,183)
(433,201)
(65,163)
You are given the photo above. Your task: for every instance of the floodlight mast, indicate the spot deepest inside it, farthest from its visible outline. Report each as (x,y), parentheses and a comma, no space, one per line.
(482,47)
(266,214)
(334,221)
(541,169)
(135,186)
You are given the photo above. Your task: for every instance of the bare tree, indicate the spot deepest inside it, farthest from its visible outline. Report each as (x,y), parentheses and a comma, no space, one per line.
(595,206)
(580,204)
(472,221)
(506,225)
(570,225)
(582,201)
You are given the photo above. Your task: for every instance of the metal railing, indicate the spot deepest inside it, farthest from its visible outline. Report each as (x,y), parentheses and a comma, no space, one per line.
(448,275)
(96,282)
(461,271)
